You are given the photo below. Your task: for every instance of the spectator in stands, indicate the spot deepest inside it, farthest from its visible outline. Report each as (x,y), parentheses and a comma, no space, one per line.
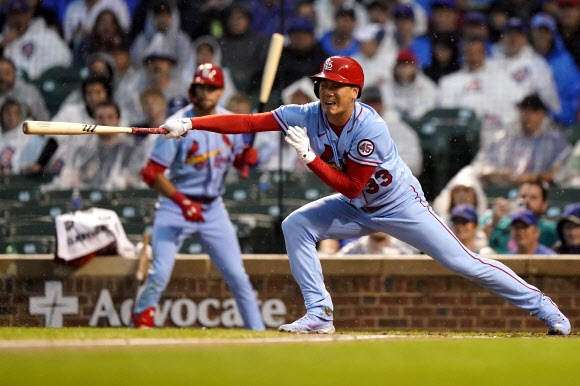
(475,27)
(80,16)
(532,196)
(102,161)
(11,86)
(464,224)
(378,12)
(411,92)
(461,189)
(530,72)
(479,86)
(569,26)
(240,103)
(97,65)
(525,232)
(94,91)
(302,55)
(444,58)
(244,50)
(569,175)
(102,38)
(157,72)
(547,42)
(340,40)
(40,10)
(569,230)
(267,13)
(206,49)
(124,66)
(164,30)
(29,43)
(325,9)
(406,139)
(377,53)
(497,16)
(405,34)
(378,243)
(17,150)
(533,149)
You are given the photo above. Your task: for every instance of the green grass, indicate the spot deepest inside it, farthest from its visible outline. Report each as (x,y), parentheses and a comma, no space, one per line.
(426,359)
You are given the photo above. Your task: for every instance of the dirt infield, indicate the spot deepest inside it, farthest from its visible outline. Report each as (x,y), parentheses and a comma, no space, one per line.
(290,338)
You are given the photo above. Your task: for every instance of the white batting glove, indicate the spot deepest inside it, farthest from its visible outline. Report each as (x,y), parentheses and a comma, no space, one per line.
(176,127)
(298,138)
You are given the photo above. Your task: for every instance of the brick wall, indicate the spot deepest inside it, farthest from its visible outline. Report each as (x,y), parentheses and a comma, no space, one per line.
(369,293)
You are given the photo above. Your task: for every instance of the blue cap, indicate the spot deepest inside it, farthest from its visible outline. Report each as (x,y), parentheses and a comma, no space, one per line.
(515,23)
(571,213)
(403,11)
(17,6)
(443,4)
(543,20)
(475,17)
(464,211)
(526,216)
(300,23)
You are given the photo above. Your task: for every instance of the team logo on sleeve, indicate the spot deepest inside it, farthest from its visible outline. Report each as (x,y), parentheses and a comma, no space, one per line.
(365,147)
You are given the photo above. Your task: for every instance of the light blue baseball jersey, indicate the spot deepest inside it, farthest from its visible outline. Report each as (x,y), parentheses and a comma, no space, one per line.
(199,162)
(365,139)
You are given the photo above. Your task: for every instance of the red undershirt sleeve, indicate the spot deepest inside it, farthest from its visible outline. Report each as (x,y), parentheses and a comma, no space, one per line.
(236,123)
(350,184)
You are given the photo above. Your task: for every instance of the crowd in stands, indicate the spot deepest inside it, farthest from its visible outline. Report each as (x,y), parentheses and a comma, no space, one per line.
(515,63)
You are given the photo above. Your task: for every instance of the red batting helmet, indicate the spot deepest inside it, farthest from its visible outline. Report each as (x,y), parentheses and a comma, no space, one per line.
(208,74)
(341,69)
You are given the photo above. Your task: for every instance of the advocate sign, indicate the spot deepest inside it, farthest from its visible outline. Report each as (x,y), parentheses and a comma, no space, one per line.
(182,312)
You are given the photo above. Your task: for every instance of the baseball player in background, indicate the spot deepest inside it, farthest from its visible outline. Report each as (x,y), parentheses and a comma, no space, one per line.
(348,146)
(190,202)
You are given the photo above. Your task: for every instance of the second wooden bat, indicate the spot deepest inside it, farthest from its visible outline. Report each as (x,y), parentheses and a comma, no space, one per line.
(68,128)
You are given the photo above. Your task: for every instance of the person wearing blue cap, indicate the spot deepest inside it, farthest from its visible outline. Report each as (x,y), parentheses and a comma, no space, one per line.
(546,40)
(302,54)
(525,233)
(529,71)
(569,230)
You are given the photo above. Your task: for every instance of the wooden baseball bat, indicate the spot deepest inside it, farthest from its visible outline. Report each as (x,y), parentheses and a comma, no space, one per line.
(142,266)
(268,76)
(68,128)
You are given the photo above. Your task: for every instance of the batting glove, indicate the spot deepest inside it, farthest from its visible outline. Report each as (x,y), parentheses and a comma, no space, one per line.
(191,210)
(298,138)
(177,127)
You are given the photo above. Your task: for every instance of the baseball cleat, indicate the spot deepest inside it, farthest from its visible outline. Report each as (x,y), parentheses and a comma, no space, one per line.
(309,324)
(557,323)
(145,319)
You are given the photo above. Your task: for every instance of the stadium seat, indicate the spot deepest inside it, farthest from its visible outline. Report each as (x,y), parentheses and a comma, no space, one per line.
(27,247)
(56,83)
(450,140)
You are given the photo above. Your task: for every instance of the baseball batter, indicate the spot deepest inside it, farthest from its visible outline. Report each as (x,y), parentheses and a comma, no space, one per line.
(191,202)
(348,146)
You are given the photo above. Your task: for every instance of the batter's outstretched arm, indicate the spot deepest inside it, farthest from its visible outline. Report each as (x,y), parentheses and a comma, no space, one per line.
(223,124)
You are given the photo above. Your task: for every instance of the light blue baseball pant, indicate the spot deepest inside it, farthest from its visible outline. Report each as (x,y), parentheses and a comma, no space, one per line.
(415,223)
(218,239)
